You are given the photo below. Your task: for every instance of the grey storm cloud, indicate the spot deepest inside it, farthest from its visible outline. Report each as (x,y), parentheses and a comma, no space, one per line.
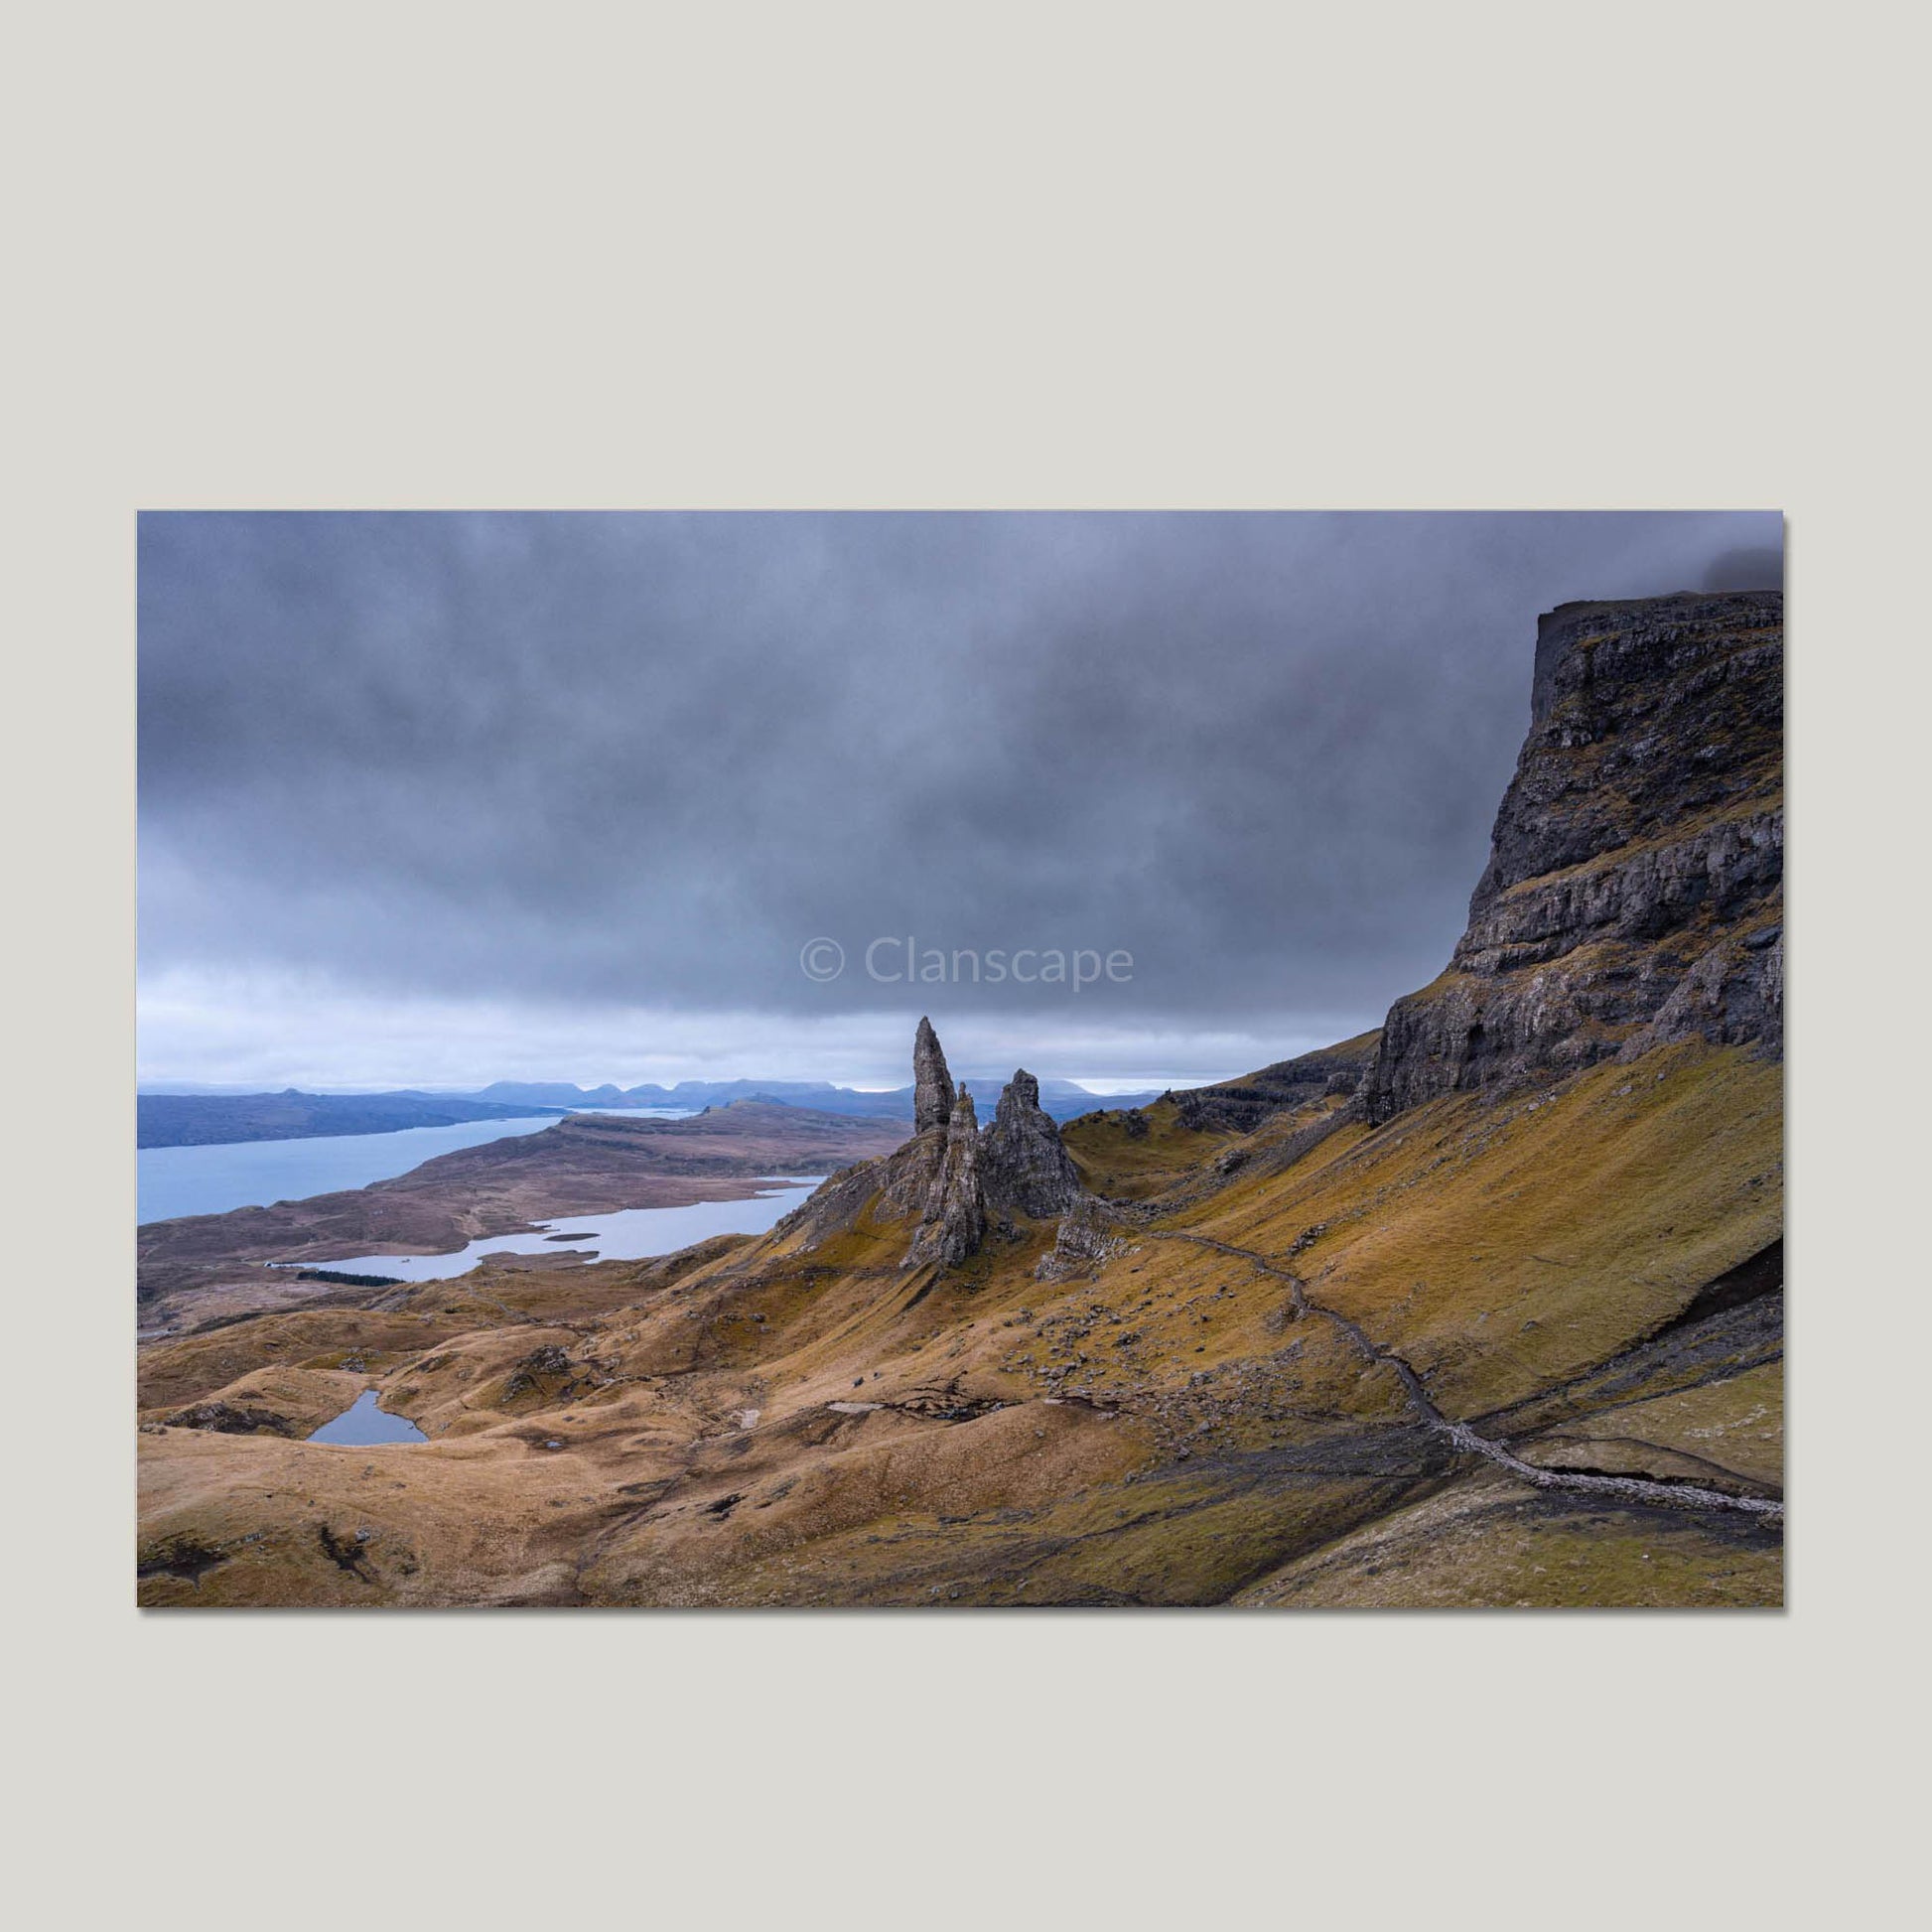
(644,758)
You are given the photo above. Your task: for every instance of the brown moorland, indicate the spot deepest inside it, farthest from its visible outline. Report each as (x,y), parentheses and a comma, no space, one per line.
(585,1164)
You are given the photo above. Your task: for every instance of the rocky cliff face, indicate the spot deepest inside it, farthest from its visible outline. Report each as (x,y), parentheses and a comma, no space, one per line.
(1240,1106)
(1634,892)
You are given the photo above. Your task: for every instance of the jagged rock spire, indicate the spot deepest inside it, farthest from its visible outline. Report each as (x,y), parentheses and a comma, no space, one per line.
(1027,1167)
(932,1088)
(954,1221)
(961,1184)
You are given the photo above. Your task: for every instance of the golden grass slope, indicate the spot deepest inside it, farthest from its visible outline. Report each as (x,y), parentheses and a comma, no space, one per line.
(783,1420)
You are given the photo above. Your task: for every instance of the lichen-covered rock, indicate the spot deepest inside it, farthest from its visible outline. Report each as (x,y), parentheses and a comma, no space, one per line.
(953,1223)
(1734,995)
(1635,889)
(1027,1169)
(1082,1242)
(932,1088)
(908,1177)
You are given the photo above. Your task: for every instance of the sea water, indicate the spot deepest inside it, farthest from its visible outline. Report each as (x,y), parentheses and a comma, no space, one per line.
(631,1234)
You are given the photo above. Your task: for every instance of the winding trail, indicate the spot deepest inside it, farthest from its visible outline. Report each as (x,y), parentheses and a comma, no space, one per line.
(1675,1495)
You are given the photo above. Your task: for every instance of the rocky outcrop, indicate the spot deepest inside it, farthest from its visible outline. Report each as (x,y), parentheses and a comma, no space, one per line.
(1634,891)
(933,1089)
(954,1183)
(1026,1168)
(1084,1240)
(958,1182)
(952,1222)
(1734,995)
(228,1419)
(1240,1106)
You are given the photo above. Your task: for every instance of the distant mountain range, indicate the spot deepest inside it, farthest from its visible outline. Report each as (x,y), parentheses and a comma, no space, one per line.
(696,1095)
(201,1120)
(206,1119)
(1063,1099)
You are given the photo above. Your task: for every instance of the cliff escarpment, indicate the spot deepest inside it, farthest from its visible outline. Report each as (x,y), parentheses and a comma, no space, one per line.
(1634,895)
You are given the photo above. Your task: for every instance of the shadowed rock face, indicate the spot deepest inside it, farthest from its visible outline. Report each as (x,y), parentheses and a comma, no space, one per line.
(933,1089)
(1634,895)
(1026,1166)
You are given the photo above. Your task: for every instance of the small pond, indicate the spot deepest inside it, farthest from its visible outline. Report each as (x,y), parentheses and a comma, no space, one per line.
(362,1422)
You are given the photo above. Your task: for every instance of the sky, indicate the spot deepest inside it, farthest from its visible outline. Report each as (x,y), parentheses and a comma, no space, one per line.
(437,800)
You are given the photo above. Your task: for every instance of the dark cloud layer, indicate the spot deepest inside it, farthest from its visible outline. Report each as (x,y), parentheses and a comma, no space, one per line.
(643,760)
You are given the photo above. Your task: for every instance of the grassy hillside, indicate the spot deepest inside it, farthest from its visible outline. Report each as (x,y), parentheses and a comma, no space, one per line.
(802,1419)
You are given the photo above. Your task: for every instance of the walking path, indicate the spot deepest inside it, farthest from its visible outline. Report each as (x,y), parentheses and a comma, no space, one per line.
(1676,1495)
